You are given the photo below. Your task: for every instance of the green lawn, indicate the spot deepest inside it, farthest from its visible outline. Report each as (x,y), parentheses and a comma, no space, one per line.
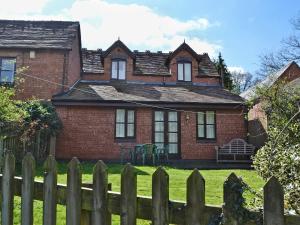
(214,185)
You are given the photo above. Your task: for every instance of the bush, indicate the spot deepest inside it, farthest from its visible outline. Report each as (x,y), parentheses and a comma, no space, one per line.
(280,157)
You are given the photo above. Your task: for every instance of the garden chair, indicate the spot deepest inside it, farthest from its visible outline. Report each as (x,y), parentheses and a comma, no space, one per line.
(126,153)
(149,151)
(163,153)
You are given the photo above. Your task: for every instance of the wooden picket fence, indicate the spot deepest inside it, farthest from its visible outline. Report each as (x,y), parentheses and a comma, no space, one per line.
(94,205)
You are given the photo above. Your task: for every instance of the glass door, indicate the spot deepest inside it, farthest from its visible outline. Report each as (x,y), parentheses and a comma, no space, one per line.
(166,131)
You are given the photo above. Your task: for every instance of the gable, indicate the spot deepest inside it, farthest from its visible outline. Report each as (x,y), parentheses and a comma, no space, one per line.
(120,47)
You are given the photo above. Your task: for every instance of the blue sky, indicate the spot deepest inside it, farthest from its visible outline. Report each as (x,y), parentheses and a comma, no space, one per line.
(241,30)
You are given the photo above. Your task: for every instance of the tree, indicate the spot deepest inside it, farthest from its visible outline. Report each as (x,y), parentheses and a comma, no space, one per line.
(289,51)
(222,69)
(242,81)
(280,157)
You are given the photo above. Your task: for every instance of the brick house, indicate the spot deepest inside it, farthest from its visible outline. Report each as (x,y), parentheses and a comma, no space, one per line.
(257,119)
(122,97)
(50,49)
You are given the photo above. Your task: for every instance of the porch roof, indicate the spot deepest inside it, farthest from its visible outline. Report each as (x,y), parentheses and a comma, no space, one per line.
(85,92)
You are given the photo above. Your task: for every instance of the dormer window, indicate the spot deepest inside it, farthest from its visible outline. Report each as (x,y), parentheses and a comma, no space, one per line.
(118,69)
(7,70)
(184,71)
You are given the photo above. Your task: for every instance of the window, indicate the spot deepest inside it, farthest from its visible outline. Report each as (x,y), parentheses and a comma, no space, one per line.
(7,71)
(206,125)
(184,70)
(125,123)
(118,69)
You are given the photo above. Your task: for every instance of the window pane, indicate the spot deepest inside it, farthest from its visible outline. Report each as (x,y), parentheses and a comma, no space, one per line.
(173,126)
(114,69)
(187,72)
(180,71)
(210,117)
(159,126)
(201,131)
(200,118)
(130,116)
(121,115)
(172,137)
(7,76)
(159,116)
(122,69)
(8,64)
(210,131)
(130,130)
(173,148)
(159,137)
(172,116)
(120,130)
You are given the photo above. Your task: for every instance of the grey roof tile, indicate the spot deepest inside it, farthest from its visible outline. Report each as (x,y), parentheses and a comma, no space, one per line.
(90,91)
(37,34)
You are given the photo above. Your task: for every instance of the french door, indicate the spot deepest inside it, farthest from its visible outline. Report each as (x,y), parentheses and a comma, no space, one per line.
(167,131)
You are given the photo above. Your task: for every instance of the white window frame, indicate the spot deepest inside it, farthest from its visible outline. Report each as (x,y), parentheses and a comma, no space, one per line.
(118,76)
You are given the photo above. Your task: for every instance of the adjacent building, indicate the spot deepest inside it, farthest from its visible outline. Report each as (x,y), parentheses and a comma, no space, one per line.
(113,97)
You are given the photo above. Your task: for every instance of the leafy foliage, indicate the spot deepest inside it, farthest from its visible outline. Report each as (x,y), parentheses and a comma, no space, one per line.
(222,68)
(39,116)
(280,157)
(9,110)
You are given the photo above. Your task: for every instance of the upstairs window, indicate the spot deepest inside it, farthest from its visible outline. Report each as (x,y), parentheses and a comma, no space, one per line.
(118,69)
(206,125)
(7,70)
(125,123)
(184,70)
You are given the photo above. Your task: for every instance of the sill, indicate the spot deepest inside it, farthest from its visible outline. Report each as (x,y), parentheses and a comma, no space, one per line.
(122,140)
(7,84)
(205,140)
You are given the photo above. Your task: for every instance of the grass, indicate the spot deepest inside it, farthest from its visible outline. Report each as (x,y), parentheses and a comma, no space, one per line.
(214,186)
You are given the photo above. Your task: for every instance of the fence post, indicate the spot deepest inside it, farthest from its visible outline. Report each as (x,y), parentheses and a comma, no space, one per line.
(100,203)
(73,193)
(50,185)
(230,199)
(28,171)
(128,195)
(160,197)
(8,189)
(52,145)
(273,203)
(195,199)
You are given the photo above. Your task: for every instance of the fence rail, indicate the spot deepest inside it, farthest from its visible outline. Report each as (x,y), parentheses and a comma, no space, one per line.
(94,205)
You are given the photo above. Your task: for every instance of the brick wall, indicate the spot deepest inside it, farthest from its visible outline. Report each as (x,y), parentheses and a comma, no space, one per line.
(148,78)
(88,132)
(46,65)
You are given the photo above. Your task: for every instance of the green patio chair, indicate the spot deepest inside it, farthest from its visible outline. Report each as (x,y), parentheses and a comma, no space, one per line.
(163,153)
(149,151)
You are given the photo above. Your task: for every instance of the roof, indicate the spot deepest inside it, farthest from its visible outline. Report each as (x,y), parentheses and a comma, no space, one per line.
(118,44)
(186,47)
(146,63)
(268,82)
(38,34)
(86,91)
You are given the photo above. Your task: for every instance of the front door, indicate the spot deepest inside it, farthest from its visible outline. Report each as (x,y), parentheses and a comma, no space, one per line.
(166,131)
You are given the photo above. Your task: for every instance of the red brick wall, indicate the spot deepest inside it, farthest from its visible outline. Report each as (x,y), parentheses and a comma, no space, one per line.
(149,78)
(74,68)
(88,132)
(47,65)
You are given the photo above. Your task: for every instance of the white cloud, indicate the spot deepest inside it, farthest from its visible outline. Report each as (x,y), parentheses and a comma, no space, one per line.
(138,26)
(236,69)
(11,8)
